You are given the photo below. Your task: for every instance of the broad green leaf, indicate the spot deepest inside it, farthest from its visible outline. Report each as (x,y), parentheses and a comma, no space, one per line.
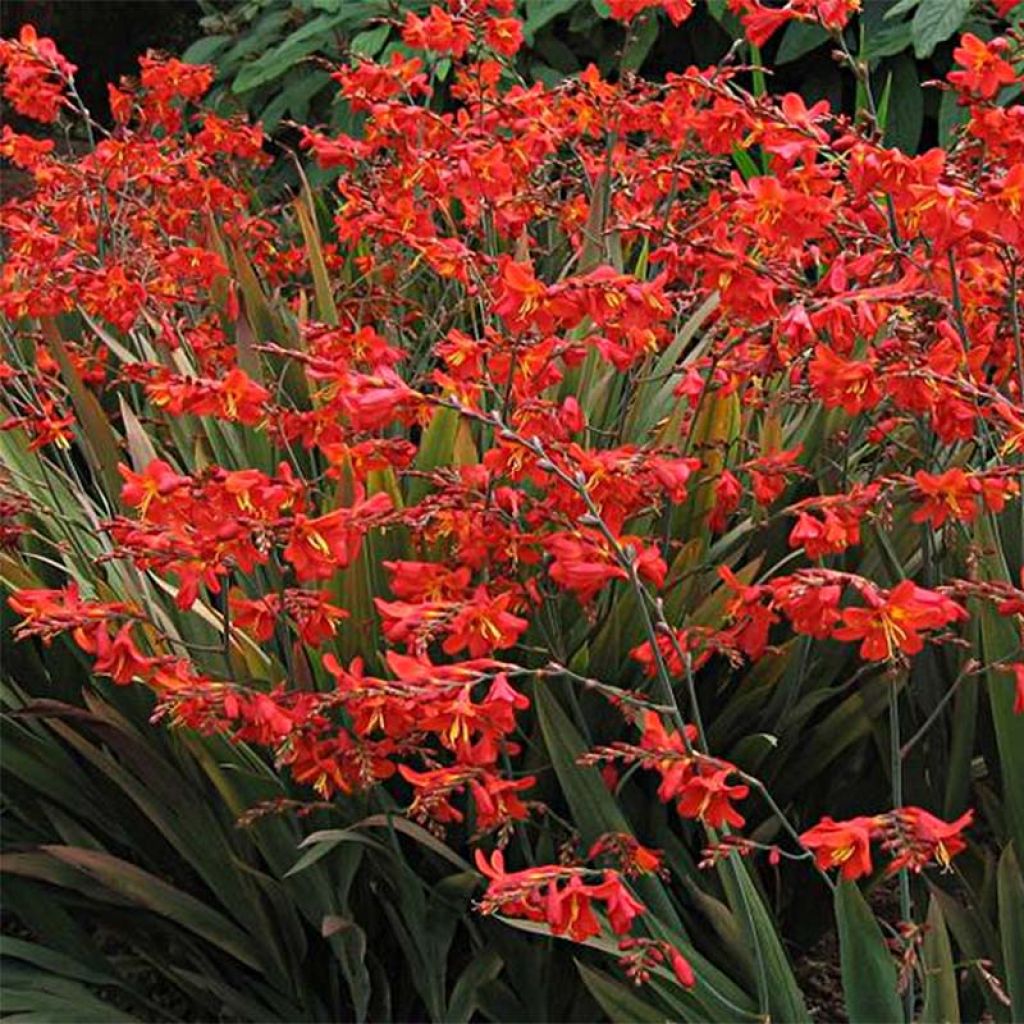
(934,22)
(312,36)
(140,447)
(595,245)
(640,44)
(654,398)
(306,211)
(35,996)
(887,41)
(899,8)
(869,974)
(322,843)
(53,962)
(978,943)
(350,948)
(905,114)
(417,833)
(593,807)
(714,997)
(436,450)
(295,96)
(798,39)
(370,42)
(541,12)
(205,50)
(745,162)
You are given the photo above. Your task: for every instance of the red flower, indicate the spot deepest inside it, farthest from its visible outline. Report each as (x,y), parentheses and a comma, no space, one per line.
(318,547)
(917,837)
(626,10)
(157,481)
(505,35)
(582,563)
(984,70)
(812,606)
(837,530)
(37,74)
(671,759)
(728,493)
(842,844)
(438,31)
(620,904)
(569,910)
(522,299)
(894,622)
(23,150)
(844,382)
(497,800)
(708,795)
(956,494)
(484,625)
(1018,675)
(120,658)
(750,607)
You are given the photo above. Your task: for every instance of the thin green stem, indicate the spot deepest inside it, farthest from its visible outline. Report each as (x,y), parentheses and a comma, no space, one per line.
(896,770)
(936,712)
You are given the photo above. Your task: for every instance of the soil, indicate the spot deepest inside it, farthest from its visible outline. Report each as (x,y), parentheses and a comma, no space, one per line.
(821,981)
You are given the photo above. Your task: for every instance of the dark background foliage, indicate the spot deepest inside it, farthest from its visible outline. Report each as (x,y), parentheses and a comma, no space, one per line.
(106,37)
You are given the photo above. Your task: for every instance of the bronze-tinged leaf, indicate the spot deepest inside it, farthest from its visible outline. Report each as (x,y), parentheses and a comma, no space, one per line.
(99,440)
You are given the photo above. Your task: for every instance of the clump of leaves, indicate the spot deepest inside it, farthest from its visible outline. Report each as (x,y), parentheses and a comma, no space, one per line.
(610,495)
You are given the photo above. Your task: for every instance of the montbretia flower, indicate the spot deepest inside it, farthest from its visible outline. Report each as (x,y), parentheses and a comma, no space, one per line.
(708,795)
(157,481)
(36,74)
(912,835)
(120,658)
(985,71)
(483,625)
(847,383)
(319,546)
(915,838)
(958,495)
(560,896)
(842,844)
(438,31)
(583,563)
(893,622)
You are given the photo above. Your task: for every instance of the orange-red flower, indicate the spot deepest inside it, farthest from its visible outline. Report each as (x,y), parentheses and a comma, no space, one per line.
(36,74)
(842,844)
(985,71)
(848,383)
(708,795)
(916,838)
(484,625)
(894,622)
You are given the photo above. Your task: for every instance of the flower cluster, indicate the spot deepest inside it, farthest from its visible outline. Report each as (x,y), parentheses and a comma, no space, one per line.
(638,379)
(564,897)
(912,836)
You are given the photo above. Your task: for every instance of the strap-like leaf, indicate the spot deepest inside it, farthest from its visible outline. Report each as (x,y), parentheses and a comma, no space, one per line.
(869,975)
(1010,887)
